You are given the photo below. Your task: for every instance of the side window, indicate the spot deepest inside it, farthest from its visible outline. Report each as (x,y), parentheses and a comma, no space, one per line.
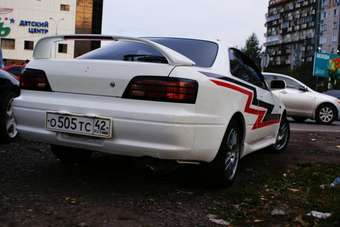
(269,78)
(240,69)
(290,83)
(255,78)
(237,68)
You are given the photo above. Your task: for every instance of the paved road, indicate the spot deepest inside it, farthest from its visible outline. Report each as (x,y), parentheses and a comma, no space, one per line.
(311,126)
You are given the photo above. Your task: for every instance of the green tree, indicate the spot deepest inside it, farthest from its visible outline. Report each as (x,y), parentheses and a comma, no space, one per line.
(253,49)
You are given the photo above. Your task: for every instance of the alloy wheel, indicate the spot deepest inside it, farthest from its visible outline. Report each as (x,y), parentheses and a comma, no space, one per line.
(282,136)
(326,114)
(11,126)
(232,154)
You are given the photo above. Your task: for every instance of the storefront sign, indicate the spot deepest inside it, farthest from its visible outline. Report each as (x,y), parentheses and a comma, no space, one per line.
(4,31)
(5,23)
(35,26)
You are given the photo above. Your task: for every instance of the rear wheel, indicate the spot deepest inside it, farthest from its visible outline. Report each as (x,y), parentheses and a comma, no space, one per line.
(282,137)
(70,155)
(326,114)
(223,170)
(8,126)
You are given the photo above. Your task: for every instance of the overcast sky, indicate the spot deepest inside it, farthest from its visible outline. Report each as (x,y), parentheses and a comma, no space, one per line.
(229,20)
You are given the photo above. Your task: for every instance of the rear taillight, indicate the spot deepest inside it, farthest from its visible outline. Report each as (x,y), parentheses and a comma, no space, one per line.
(34,79)
(162,89)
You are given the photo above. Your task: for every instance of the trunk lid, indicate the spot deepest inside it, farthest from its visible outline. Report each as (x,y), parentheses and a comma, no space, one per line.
(96,77)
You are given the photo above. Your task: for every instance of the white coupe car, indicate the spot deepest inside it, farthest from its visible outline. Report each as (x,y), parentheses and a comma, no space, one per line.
(187,100)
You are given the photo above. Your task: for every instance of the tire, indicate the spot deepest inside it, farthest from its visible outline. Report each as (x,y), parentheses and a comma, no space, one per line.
(223,170)
(282,138)
(326,114)
(8,130)
(299,119)
(70,155)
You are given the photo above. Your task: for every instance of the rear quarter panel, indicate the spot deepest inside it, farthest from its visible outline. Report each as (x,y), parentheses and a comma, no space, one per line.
(214,105)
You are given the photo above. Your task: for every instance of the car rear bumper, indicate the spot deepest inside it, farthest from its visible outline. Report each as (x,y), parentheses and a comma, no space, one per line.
(140,128)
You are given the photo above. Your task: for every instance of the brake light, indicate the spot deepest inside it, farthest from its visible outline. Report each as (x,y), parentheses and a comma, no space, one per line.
(34,79)
(162,89)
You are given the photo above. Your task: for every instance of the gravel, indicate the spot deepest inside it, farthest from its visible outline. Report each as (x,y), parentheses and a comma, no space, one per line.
(37,190)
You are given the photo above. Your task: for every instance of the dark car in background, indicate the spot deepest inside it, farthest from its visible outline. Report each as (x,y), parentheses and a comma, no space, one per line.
(334,93)
(9,90)
(16,70)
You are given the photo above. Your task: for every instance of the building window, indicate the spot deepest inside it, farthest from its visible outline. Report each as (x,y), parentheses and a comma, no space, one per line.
(65,7)
(28,45)
(335,38)
(8,44)
(62,48)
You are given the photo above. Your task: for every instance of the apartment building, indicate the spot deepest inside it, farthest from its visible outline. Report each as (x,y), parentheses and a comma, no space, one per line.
(329,26)
(292,32)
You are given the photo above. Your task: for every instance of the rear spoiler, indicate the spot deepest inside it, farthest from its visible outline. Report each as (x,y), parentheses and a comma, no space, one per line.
(43,48)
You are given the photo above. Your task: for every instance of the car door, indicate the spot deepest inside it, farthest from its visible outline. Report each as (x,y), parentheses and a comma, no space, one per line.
(299,100)
(263,115)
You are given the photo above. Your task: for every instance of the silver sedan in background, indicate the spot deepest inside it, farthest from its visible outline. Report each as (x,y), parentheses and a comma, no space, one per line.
(304,103)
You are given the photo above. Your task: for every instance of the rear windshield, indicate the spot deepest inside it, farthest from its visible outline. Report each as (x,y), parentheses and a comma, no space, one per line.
(203,53)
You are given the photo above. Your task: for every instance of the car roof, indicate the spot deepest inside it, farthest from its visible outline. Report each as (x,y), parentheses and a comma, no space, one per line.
(285,76)
(277,74)
(204,38)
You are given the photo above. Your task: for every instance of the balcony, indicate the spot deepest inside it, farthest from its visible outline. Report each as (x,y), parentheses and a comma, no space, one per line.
(273,40)
(272,18)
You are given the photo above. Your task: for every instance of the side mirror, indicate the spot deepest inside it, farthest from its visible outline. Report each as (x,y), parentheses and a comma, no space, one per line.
(303,89)
(277,84)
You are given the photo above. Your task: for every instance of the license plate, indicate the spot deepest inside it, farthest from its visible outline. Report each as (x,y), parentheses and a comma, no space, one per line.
(80,125)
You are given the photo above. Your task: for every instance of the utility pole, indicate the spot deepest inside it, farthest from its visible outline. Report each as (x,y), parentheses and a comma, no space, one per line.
(317,36)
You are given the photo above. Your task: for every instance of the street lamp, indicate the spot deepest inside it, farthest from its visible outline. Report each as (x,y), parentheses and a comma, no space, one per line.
(57,22)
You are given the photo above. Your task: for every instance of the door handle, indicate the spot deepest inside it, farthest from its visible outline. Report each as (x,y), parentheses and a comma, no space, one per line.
(283,92)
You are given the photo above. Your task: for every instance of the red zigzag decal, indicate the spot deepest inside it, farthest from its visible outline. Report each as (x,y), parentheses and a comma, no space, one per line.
(248,109)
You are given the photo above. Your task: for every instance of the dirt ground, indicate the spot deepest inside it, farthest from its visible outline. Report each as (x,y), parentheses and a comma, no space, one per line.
(37,190)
